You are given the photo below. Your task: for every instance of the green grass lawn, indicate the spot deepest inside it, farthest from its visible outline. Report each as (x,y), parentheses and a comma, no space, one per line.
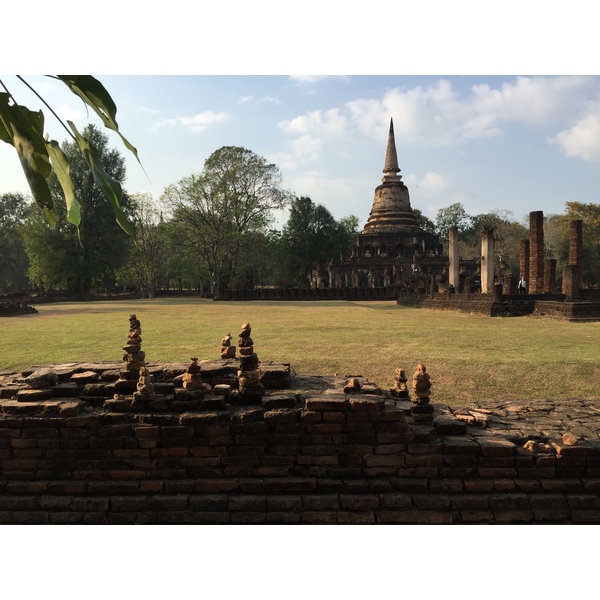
(469,357)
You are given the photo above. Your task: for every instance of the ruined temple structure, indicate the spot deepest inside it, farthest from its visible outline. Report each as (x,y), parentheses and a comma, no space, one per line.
(392,249)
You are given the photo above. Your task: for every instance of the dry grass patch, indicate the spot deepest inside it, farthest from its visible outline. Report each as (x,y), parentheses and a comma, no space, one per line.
(469,357)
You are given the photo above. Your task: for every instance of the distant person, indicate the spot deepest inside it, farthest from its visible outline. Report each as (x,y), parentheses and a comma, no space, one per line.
(522,286)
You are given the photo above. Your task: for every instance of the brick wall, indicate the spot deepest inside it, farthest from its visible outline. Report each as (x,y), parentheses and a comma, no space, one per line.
(327,459)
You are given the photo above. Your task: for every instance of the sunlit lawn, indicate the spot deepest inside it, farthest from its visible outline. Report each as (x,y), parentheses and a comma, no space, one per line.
(468,357)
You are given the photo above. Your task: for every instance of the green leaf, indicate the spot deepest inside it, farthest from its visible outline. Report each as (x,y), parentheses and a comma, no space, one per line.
(60,163)
(23,128)
(94,94)
(111,188)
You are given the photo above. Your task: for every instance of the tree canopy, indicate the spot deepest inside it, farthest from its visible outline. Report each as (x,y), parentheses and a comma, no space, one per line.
(235,195)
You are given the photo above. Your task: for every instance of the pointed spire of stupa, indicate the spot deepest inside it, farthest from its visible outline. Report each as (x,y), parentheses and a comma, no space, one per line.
(391,159)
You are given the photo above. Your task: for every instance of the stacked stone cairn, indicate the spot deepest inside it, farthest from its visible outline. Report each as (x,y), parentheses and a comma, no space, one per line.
(227,350)
(251,389)
(192,380)
(134,358)
(144,390)
(421,385)
(400,389)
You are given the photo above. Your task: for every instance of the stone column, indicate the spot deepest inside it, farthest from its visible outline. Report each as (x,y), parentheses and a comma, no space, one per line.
(524,260)
(570,284)
(536,252)
(487,261)
(550,275)
(454,274)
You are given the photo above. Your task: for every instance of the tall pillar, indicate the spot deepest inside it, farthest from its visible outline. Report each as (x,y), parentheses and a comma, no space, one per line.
(536,252)
(572,273)
(454,275)
(550,275)
(524,260)
(487,261)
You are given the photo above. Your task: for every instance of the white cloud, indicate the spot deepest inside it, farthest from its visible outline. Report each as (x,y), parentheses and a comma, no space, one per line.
(439,115)
(326,123)
(196,123)
(68,113)
(245,99)
(583,139)
(434,184)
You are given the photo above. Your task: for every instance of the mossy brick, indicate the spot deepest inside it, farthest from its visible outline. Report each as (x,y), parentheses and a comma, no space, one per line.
(346,517)
(583,501)
(66,518)
(282,518)
(33,517)
(414,517)
(513,516)
(321,502)
(88,504)
(129,503)
(113,487)
(248,518)
(48,502)
(476,516)
(431,501)
(336,404)
(510,501)
(550,515)
(359,501)
(317,517)
(284,504)
(586,516)
(395,500)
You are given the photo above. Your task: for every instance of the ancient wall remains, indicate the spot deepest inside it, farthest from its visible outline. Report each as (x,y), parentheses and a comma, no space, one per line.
(307,454)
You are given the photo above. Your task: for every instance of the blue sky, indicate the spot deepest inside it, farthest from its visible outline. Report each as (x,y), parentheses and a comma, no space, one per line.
(491,141)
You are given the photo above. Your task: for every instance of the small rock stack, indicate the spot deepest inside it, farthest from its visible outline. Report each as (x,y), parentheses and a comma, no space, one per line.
(192,378)
(400,389)
(227,350)
(134,358)
(251,389)
(421,409)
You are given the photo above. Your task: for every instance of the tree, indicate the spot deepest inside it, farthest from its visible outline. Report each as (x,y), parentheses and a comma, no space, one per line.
(313,237)
(453,215)
(80,259)
(147,262)
(425,223)
(234,196)
(40,156)
(13,259)
(589,214)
